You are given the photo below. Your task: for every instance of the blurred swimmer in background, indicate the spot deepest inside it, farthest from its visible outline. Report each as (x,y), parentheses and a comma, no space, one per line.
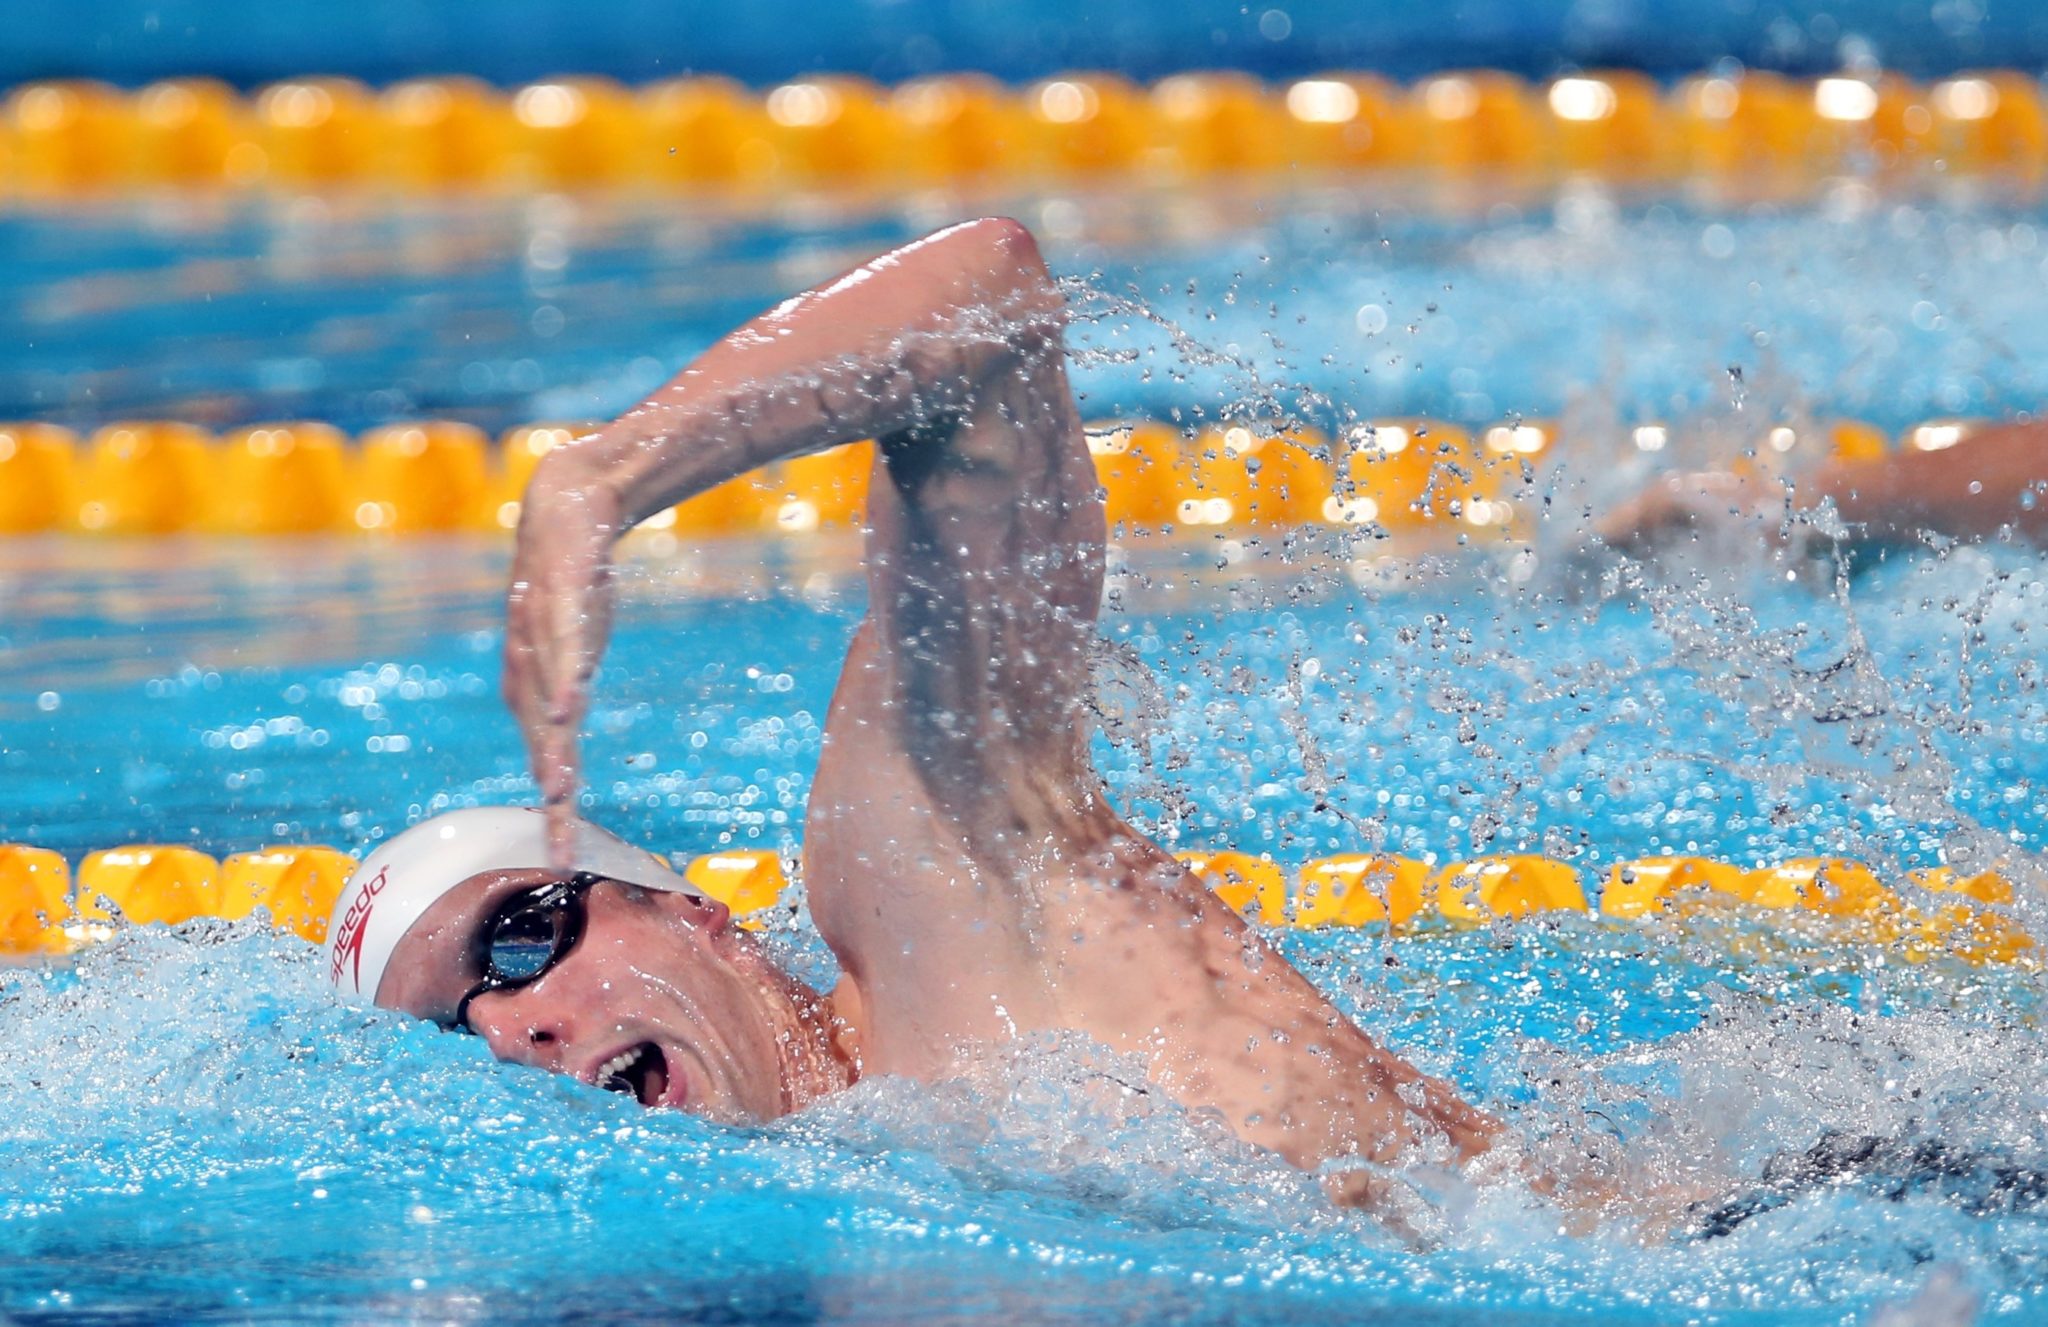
(1972,484)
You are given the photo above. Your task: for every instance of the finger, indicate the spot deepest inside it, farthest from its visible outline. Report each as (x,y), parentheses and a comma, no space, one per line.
(558,766)
(517,683)
(529,707)
(524,682)
(562,823)
(557,762)
(537,646)
(572,650)
(550,744)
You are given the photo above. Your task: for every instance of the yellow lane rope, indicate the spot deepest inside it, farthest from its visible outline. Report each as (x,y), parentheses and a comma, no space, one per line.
(160,477)
(1928,914)
(69,139)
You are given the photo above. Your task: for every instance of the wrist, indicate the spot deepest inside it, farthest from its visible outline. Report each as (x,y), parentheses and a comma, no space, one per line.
(635,471)
(573,478)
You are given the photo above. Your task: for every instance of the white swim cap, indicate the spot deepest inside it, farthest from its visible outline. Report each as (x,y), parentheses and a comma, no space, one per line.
(403,878)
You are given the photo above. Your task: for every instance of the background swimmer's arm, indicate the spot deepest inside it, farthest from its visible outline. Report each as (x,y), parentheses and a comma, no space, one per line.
(949,346)
(1973,489)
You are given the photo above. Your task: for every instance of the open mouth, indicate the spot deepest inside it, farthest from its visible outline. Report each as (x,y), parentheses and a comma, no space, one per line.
(641,1072)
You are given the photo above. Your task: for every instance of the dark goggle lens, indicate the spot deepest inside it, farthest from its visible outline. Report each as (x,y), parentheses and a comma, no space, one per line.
(525,940)
(527,936)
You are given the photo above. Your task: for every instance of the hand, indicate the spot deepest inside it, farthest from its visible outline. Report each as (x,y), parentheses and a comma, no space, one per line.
(557,620)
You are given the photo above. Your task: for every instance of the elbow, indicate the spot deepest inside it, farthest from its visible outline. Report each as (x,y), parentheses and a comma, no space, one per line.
(1018,281)
(1001,254)
(1008,244)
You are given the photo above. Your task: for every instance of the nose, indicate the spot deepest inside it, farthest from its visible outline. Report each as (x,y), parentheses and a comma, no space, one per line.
(524,1026)
(709,913)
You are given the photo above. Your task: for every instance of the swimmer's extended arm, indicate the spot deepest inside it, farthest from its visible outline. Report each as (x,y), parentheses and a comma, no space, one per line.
(1971,490)
(948,352)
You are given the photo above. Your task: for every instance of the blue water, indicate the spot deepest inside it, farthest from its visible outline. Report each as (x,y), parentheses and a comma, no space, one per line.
(1326,305)
(384,40)
(326,692)
(194,1132)
(282,1158)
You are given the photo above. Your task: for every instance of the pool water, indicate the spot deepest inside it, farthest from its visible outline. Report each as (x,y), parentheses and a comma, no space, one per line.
(1326,304)
(195,1132)
(510,41)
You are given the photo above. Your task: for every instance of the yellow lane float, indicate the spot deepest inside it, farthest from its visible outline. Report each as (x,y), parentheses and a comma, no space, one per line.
(573,133)
(443,133)
(148,883)
(439,476)
(429,478)
(1512,886)
(35,900)
(318,132)
(38,465)
(1750,121)
(1220,122)
(1348,122)
(1931,914)
(1402,474)
(1613,122)
(1751,130)
(1089,125)
(746,882)
(1247,883)
(193,133)
(1481,120)
(297,885)
(1136,464)
(1361,889)
(1418,478)
(67,137)
(819,491)
(1991,120)
(1236,477)
(1650,885)
(960,127)
(832,130)
(282,478)
(145,478)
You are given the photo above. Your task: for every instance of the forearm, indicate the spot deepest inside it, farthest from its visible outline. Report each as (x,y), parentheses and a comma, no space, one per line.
(890,346)
(1975,488)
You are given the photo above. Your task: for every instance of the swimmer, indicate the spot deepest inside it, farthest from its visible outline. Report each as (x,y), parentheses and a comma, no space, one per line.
(1988,481)
(961,858)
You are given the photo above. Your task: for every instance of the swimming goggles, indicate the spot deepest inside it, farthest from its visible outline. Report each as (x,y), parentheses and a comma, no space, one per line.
(528,934)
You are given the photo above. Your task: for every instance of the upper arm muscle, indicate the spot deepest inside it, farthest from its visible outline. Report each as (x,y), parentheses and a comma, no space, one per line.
(985,567)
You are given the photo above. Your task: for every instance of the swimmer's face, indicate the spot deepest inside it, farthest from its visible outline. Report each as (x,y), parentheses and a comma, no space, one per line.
(659,994)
